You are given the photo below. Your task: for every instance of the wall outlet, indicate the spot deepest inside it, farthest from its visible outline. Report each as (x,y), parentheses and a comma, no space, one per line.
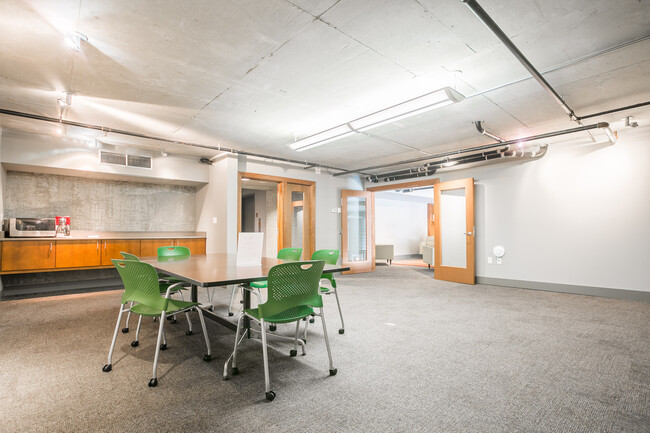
(489,260)
(214,220)
(499,260)
(333,210)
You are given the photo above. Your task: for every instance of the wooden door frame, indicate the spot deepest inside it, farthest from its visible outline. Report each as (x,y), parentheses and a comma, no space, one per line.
(412,184)
(358,267)
(281,188)
(459,275)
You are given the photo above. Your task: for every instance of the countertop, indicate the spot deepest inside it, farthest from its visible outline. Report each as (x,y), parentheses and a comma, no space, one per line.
(85,235)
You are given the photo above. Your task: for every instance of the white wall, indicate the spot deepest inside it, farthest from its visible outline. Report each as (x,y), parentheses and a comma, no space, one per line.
(578,216)
(76,157)
(217,200)
(401,221)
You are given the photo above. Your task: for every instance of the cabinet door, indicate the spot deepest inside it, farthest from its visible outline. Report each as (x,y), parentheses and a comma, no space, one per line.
(77,254)
(27,255)
(196,246)
(149,247)
(111,249)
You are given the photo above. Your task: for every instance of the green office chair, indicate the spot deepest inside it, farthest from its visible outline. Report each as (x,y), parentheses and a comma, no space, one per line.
(293,293)
(288,254)
(142,288)
(330,257)
(164,284)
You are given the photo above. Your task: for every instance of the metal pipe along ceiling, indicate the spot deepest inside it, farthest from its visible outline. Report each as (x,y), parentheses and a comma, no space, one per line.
(494,28)
(166,140)
(480,148)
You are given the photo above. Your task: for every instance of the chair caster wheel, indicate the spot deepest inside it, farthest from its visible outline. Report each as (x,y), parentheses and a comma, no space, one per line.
(189,333)
(173,320)
(230,314)
(293,352)
(207,358)
(341,331)
(135,343)
(155,319)
(311,320)
(125,330)
(211,308)
(270,395)
(235,371)
(273,328)
(107,368)
(163,347)
(333,372)
(153,382)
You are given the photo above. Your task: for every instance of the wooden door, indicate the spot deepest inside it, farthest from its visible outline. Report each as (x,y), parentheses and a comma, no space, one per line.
(455,236)
(196,246)
(111,249)
(357,230)
(26,255)
(297,218)
(78,253)
(149,247)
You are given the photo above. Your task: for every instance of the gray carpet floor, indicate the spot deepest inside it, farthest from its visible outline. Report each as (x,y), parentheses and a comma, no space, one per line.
(418,355)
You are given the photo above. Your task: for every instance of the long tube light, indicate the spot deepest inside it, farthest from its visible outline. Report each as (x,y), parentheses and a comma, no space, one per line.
(412,107)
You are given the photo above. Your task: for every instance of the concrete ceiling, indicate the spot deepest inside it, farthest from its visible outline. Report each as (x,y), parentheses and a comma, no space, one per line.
(256,75)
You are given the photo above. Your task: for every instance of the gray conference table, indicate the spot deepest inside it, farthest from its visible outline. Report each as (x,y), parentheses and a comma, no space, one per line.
(210,270)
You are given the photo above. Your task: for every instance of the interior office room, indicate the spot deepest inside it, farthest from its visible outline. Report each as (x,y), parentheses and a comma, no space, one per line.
(523,128)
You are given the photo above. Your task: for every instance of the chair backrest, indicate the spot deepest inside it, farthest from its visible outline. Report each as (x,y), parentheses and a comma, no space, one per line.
(290,254)
(140,283)
(172,251)
(129,256)
(291,285)
(329,256)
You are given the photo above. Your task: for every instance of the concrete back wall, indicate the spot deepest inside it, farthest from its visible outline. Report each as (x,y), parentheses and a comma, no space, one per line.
(101,205)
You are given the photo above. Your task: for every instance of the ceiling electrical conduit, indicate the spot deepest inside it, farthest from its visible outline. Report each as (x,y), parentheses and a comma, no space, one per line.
(166,140)
(599,125)
(494,28)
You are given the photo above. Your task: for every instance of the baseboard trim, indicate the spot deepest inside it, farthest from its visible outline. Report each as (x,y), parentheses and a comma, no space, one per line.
(629,295)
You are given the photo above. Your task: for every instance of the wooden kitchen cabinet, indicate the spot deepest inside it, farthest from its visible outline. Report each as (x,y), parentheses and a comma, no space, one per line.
(111,249)
(149,247)
(28,255)
(196,246)
(78,253)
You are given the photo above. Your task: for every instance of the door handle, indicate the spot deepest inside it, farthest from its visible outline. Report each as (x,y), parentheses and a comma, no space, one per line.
(468,233)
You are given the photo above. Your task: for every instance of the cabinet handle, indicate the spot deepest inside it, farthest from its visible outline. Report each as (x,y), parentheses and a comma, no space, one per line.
(105,243)
(50,252)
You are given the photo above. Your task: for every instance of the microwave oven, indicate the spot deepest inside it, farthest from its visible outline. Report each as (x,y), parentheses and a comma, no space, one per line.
(32,227)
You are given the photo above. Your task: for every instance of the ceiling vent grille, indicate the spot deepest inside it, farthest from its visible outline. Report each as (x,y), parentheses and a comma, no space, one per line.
(112,158)
(124,160)
(138,161)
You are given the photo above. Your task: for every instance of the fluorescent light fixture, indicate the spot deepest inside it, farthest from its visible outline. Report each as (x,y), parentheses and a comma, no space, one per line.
(73,39)
(412,107)
(322,138)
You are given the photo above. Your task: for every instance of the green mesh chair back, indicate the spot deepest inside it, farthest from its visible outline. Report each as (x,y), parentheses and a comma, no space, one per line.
(291,285)
(292,254)
(140,284)
(129,256)
(172,251)
(328,256)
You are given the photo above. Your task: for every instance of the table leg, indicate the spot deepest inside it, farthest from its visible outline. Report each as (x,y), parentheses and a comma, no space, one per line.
(247,304)
(194,296)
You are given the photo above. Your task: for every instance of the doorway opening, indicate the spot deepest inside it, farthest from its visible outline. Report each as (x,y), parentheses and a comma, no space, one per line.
(281,208)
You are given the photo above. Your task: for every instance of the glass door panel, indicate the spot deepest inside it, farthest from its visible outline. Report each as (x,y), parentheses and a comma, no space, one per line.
(357,236)
(452,228)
